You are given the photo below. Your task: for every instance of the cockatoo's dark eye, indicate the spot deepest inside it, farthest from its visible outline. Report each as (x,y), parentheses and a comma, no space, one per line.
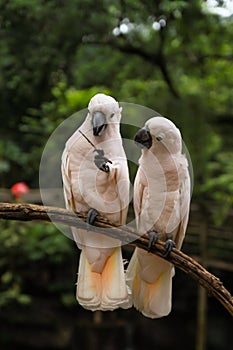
(159,138)
(112,115)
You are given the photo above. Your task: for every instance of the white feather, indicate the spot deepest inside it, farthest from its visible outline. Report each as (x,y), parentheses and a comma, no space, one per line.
(161,204)
(101,281)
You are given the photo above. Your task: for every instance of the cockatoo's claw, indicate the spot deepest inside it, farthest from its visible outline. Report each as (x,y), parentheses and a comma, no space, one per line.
(168,246)
(102,163)
(104,167)
(91,216)
(153,237)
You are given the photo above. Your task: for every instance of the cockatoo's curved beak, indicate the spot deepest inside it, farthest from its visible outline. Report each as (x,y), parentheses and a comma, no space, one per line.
(99,123)
(143,138)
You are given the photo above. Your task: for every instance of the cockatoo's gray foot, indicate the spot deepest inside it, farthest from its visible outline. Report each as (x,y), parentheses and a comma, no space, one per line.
(91,216)
(168,246)
(153,237)
(101,161)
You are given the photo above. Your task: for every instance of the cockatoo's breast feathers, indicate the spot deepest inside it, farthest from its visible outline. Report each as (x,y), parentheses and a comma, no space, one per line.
(164,131)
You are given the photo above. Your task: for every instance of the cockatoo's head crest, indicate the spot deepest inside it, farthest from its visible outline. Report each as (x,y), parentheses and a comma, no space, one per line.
(103,111)
(157,131)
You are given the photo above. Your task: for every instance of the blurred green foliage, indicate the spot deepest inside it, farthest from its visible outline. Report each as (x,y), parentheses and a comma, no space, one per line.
(29,253)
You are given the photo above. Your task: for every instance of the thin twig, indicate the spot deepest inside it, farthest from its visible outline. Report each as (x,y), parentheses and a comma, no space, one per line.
(30,212)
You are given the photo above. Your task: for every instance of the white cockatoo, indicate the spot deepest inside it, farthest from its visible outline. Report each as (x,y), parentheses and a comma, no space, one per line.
(96,181)
(161,205)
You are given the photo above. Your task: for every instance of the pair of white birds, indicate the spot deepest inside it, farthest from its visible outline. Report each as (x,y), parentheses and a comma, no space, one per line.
(96,180)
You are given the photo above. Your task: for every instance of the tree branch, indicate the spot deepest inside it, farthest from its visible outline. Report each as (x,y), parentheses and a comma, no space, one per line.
(155,59)
(29,212)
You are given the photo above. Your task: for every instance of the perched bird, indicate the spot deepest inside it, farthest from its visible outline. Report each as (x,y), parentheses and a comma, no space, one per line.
(161,205)
(96,181)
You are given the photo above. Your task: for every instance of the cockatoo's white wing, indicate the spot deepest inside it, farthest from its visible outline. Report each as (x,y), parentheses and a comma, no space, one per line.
(68,196)
(138,196)
(121,179)
(184,204)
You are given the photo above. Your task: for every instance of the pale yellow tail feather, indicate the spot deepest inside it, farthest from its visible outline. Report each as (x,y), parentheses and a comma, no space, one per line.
(88,291)
(114,289)
(152,299)
(106,290)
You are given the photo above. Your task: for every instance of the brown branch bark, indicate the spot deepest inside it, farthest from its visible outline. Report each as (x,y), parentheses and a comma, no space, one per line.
(29,212)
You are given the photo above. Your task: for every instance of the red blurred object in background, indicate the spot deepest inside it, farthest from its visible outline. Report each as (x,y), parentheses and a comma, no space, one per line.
(18,189)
